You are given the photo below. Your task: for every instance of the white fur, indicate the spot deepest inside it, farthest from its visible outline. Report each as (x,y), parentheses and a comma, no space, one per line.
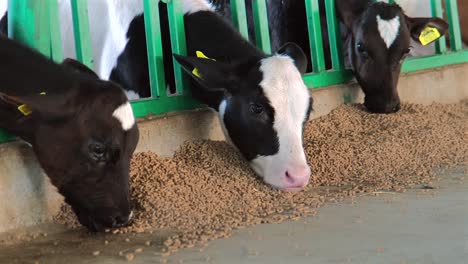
(221,112)
(388,29)
(289,97)
(124,114)
(193,6)
(132,95)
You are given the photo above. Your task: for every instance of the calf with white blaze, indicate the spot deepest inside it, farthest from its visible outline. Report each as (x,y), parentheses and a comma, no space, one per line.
(81,129)
(261,99)
(379,36)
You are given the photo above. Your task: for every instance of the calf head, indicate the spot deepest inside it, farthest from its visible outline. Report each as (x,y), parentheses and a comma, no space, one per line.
(83,135)
(264,104)
(380,41)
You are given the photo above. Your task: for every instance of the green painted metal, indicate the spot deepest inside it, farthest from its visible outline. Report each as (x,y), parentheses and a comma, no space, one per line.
(315,35)
(5,136)
(334,36)
(28,22)
(35,22)
(262,33)
(155,50)
(144,108)
(55,34)
(327,78)
(84,51)
(423,63)
(177,31)
(438,11)
(239,17)
(453,19)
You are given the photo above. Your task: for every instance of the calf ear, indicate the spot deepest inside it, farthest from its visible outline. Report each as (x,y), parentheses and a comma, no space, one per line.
(349,10)
(79,67)
(420,24)
(297,54)
(49,107)
(212,75)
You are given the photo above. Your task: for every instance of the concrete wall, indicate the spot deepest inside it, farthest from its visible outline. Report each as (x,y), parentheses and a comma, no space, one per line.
(27,197)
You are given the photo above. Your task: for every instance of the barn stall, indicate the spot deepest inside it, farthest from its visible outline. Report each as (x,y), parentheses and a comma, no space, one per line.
(169,118)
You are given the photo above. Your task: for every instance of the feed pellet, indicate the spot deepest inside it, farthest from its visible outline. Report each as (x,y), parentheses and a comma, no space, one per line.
(207,189)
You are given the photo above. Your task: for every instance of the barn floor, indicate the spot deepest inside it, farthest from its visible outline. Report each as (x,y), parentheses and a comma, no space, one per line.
(418,226)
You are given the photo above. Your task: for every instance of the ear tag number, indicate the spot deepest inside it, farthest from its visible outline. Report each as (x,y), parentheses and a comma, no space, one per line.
(429,35)
(200,55)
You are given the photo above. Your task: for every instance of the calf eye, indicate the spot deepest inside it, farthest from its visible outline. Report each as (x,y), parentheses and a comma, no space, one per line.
(256,109)
(97,150)
(360,48)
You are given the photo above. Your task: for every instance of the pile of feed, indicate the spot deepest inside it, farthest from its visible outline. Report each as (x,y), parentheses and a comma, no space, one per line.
(207,189)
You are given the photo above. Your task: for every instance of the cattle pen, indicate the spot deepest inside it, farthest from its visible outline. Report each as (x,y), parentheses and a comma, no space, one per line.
(168,118)
(36,23)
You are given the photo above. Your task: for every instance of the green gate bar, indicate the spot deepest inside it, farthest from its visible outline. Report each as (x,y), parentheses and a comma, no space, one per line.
(315,35)
(438,11)
(177,30)
(262,32)
(454,30)
(334,36)
(82,33)
(239,17)
(155,49)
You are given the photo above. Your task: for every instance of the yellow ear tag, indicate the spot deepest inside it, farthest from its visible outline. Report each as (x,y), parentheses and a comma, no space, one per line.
(25,110)
(429,35)
(201,56)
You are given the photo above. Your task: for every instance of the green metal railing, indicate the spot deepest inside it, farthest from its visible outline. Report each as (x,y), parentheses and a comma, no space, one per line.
(36,23)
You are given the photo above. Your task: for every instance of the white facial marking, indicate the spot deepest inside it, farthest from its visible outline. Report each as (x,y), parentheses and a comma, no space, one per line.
(221,112)
(388,29)
(124,114)
(282,84)
(193,6)
(132,95)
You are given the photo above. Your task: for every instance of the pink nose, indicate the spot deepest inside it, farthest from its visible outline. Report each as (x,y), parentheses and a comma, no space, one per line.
(297,177)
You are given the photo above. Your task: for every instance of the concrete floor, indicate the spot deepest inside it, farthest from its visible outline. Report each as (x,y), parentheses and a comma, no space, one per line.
(419,226)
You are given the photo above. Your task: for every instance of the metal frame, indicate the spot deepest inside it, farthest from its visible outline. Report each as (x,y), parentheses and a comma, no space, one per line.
(36,23)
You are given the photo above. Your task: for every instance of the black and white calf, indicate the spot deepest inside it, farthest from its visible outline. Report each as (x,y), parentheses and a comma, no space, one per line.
(261,99)
(81,129)
(379,36)
(376,35)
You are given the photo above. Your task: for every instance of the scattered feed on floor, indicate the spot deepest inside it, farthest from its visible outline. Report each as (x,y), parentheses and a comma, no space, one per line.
(206,190)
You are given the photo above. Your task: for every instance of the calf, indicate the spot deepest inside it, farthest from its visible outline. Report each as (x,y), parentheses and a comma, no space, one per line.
(81,129)
(378,41)
(261,99)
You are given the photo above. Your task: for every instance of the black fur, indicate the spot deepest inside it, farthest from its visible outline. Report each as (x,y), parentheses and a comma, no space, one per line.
(67,122)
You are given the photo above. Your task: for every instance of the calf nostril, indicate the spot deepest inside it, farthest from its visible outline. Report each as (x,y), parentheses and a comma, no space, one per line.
(289,178)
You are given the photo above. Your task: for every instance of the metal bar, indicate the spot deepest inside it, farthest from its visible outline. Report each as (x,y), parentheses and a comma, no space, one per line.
(154,47)
(262,32)
(315,35)
(334,36)
(239,17)
(454,25)
(177,30)
(327,78)
(55,36)
(81,30)
(28,22)
(438,11)
(423,63)
(144,108)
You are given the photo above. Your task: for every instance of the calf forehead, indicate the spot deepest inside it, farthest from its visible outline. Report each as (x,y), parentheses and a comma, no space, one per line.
(282,84)
(385,23)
